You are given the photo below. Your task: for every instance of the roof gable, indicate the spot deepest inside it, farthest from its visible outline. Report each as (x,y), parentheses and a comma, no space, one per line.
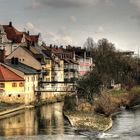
(8,75)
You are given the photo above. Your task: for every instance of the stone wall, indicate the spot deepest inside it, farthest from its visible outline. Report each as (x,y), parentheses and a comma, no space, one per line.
(12,98)
(23,98)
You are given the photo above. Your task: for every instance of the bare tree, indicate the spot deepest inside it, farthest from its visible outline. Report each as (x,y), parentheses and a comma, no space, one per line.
(90,44)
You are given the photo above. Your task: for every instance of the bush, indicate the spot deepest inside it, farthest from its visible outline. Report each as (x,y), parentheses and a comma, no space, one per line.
(106,104)
(74,104)
(134,97)
(70,103)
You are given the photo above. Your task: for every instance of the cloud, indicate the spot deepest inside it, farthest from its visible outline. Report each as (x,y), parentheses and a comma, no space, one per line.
(69,3)
(100,30)
(61,37)
(32,28)
(135,3)
(73,19)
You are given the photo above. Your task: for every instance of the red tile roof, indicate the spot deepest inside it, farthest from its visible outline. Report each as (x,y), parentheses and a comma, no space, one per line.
(16,36)
(13,34)
(34,38)
(8,75)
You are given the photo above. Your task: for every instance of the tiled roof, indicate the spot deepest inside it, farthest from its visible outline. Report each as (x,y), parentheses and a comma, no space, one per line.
(8,75)
(21,67)
(34,38)
(16,36)
(13,34)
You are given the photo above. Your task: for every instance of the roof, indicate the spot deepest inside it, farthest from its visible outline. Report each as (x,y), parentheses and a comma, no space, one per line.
(16,36)
(22,67)
(13,34)
(34,38)
(8,75)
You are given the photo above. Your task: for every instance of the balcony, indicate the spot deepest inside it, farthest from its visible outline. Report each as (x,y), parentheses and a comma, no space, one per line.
(45,72)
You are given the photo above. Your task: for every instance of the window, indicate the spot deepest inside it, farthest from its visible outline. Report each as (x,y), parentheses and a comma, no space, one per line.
(18,96)
(48,79)
(21,84)
(2,85)
(14,84)
(48,61)
(33,78)
(0,39)
(28,79)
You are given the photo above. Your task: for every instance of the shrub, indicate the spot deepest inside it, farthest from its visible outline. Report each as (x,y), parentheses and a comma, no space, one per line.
(70,103)
(73,103)
(134,96)
(106,104)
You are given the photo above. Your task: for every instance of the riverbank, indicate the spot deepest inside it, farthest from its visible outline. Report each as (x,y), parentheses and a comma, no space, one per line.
(7,109)
(87,121)
(98,115)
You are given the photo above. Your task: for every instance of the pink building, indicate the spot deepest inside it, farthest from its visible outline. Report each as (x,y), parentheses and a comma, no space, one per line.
(83,57)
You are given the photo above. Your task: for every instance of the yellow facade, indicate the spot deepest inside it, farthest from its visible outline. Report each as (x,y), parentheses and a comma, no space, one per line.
(62,70)
(48,68)
(13,86)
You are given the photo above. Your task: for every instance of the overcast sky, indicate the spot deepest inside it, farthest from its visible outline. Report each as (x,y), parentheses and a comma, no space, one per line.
(72,21)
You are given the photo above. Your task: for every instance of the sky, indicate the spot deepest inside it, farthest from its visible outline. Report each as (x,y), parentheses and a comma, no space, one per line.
(73,21)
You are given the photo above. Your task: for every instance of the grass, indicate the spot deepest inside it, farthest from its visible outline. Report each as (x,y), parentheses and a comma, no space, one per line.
(117,93)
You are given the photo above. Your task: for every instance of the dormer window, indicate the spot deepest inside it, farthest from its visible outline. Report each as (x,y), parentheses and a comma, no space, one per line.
(0,39)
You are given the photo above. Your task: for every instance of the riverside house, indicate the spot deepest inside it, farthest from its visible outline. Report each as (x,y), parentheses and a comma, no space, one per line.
(83,57)
(30,75)
(11,38)
(11,86)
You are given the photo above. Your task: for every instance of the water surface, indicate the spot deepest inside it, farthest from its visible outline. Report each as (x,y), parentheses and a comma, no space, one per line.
(48,122)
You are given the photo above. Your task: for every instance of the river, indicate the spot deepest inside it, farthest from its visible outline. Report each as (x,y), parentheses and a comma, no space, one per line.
(48,122)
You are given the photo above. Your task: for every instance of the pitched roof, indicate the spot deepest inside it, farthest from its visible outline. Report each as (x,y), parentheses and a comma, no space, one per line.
(13,34)
(8,75)
(34,38)
(22,67)
(16,36)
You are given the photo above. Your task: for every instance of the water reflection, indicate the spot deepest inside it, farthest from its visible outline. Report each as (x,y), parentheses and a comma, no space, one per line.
(46,120)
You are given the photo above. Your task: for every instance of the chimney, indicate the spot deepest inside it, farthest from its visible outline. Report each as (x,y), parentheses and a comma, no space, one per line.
(10,23)
(2,56)
(50,45)
(28,32)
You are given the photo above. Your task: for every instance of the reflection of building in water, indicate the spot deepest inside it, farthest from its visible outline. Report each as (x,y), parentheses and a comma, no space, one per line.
(53,117)
(44,120)
(58,115)
(31,125)
(12,125)
(21,124)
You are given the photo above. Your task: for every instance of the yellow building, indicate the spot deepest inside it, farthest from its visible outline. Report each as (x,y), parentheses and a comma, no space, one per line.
(10,81)
(11,86)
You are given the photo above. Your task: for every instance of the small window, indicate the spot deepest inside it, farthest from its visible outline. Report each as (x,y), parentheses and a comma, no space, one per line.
(33,78)
(47,79)
(28,79)
(21,84)
(0,39)
(2,85)
(48,61)
(14,84)
(18,96)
